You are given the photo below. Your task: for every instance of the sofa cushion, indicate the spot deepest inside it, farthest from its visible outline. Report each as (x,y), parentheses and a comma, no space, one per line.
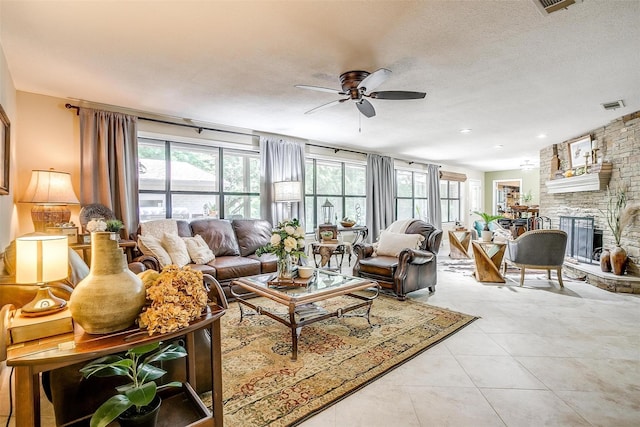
(219,235)
(232,267)
(198,250)
(251,234)
(176,248)
(390,244)
(152,246)
(204,268)
(268,262)
(158,227)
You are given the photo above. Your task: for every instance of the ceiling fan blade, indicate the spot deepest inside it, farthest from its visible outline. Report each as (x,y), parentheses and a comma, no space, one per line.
(327,105)
(321,89)
(366,108)
(397,94)
(374,79)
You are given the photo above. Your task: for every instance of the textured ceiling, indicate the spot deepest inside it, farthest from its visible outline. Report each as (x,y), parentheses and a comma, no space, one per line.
(500,68)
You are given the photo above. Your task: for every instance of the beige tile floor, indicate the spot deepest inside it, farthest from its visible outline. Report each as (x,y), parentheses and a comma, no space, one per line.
(538,356)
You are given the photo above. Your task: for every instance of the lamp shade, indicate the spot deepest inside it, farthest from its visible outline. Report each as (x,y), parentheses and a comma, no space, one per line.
(50,187)
(41,259)
(287,191)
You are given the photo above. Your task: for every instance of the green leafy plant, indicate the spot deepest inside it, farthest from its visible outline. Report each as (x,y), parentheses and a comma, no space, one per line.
(487,218)
(137,365)
(114,225)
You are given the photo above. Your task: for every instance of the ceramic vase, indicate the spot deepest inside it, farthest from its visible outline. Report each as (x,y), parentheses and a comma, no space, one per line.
(618,260)
(605,261)
(110,298)
(285,267)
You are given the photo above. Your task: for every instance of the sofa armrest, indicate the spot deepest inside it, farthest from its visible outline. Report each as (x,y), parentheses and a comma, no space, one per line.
(149,262)
(216,294)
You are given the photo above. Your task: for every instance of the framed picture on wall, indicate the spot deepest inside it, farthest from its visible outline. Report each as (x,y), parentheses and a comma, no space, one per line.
(578,148)
(5,152)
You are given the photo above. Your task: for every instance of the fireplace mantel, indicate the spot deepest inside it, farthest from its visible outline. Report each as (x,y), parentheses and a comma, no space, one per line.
(593,181)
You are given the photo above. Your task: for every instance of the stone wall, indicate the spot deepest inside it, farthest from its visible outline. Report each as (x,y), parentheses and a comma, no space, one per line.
(617,143)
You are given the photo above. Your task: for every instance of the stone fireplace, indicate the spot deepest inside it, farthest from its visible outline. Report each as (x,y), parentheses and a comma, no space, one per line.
(617,144)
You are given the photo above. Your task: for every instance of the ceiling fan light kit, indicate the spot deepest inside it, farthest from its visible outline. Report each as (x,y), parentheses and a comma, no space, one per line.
(357,85)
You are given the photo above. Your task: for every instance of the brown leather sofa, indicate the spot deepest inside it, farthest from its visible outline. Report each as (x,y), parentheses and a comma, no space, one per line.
(411,270)
(234,243)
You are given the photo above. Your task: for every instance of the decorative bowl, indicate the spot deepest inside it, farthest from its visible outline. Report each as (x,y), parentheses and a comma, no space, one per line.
(347,224)
(305,272)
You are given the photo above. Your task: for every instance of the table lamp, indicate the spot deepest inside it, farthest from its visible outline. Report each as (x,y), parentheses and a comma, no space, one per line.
(287,192)
(51,191)
(41,259)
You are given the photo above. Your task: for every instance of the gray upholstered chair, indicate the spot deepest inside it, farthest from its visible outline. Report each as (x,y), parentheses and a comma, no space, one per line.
(538,250)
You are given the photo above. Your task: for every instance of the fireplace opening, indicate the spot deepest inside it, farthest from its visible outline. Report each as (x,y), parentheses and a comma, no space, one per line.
(584,241)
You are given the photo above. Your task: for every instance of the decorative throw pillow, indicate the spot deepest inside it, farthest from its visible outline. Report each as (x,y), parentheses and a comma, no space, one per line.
(198,250)
(152,246)
(158,227)
(176,248)
(390,244)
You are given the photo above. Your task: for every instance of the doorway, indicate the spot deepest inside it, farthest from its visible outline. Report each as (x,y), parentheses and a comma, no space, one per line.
(506,193)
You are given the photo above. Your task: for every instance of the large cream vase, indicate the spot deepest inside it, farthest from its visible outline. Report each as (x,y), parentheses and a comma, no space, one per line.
(110,298)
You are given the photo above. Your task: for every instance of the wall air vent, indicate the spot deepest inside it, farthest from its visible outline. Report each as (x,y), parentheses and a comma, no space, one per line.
(613,105)
(549,6)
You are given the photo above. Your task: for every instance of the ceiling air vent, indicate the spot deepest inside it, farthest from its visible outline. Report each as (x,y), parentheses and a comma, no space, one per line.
(549,6)
(613,105)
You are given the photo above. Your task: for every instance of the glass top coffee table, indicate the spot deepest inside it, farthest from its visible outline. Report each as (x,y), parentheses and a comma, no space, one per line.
(301,300)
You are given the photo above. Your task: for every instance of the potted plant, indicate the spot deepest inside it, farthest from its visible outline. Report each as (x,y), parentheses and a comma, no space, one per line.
(114,226)
(486,218)
(139,397)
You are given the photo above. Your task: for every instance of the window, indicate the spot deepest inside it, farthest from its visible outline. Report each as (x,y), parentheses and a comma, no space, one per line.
(450,200)
(341,183)
(411,194)
(189,185)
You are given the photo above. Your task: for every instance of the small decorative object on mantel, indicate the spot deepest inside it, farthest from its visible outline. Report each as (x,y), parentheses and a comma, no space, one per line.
(176,297)
(110,298)
(137,403)
(287,240)
(618,216)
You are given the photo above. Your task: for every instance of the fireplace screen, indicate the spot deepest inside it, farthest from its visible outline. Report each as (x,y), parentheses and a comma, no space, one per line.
(581,237)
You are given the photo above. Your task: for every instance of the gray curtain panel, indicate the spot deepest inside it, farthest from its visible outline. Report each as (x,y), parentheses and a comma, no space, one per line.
(433,201)
(109,163)
(281,160)
(380,194)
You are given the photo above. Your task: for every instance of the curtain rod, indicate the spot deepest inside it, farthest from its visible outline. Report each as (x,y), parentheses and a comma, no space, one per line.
(167,122)
(201,128)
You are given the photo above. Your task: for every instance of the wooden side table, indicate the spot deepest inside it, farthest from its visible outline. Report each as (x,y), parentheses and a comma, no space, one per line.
(488,257)
(459,244)
(34,357)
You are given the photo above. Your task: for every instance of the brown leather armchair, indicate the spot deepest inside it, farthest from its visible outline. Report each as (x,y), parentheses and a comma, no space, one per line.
(411,270)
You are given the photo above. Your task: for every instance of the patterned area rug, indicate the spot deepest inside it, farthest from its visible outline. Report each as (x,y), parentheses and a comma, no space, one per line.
(264,387)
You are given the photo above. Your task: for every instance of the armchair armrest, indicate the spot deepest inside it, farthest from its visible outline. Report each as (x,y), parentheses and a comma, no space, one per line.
(415,256)
(435,238)
(363,250)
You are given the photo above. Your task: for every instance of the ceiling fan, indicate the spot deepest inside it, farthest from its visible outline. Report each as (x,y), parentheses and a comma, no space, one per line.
(357,86)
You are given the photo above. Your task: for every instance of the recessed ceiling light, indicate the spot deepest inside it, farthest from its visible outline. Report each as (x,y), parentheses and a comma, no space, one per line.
(465,130)
(542,135)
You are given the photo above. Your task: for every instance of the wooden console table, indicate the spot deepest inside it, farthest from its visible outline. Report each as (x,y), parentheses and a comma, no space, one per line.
(127,245)
(34,357)
(488,258)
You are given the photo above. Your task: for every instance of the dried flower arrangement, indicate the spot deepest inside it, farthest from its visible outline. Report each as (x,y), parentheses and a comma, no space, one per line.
(175,297)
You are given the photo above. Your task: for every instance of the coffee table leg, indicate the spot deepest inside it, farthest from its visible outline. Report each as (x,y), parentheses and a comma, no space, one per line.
(295,333)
